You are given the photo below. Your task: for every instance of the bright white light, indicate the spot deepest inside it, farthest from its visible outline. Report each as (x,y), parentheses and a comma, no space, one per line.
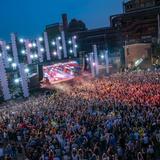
(71,51)
(42,49)
(102,56)
(75,37)
(69,42)
(21,40)
(55,53)
(60,47)
(76,46)
(40,39)
(31,56)
(30,45)
(23,51)
(59,38)
(8,47)
(9,59)
(53,43)
(14,65)
(72,73)
(138,62)
(93,64)
(34,44)
(16,80)
(26,70)
(0,54)
(87,59)
(35,56)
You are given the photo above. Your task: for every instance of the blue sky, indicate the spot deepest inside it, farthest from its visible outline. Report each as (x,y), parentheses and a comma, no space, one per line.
(29,17)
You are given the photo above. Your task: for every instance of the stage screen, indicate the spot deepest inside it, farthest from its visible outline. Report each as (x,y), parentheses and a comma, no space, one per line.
(60,72)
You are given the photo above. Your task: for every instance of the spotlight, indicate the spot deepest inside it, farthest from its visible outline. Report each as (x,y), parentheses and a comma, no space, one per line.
(9,59)
(23,51)
(93,64)
(87,59)
(14,65)
(55,53)
(8,47)
(71,73)
(76,46)
(60,47)
(21,40)
(75,37)
(16,80)
(59,38)
(31,56)
(35,56)
(53,43)
(71,51)
(0,54)
(42,49)
(40,39)
(26,70)
(102,56)
(69,42)
(30,45)
(34,44)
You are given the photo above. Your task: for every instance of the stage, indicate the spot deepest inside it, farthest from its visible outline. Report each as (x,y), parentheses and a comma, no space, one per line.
(60,72)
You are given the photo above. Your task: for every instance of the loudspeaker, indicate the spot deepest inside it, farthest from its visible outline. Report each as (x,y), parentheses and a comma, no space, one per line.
(40,72)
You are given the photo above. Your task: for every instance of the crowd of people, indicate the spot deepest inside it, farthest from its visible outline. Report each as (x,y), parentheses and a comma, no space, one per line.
(111,118)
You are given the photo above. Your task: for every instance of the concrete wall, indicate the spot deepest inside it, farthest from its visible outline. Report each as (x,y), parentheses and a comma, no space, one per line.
(136,51)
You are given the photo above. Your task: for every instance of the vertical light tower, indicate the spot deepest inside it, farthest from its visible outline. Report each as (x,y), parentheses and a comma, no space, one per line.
(4,53)
(47,46)
(107,61)
(14,48)
(59,48)
(40,52)
(96,60)
(92,64)
(24,80)
(28,46)
(64,44)
(74,45)
(4,81)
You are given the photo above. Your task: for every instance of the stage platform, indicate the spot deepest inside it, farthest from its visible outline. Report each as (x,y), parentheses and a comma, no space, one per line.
(84,75)
(46,85)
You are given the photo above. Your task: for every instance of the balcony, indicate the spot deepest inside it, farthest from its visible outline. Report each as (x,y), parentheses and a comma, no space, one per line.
(132,5)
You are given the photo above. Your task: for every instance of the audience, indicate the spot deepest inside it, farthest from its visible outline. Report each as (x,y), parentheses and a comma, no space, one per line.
(111,118)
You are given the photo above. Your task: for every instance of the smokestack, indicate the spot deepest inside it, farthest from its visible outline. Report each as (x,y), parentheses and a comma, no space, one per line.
(65,21)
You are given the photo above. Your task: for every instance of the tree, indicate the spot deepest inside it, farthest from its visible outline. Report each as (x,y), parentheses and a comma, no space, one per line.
(76,25)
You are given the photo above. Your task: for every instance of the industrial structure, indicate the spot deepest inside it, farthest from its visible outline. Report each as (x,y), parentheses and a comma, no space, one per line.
(138,24)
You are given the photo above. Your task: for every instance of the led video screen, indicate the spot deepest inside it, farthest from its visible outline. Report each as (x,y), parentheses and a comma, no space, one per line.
(60,71)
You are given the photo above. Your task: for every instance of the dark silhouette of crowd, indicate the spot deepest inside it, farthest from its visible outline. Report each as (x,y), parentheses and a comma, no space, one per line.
(111,118)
